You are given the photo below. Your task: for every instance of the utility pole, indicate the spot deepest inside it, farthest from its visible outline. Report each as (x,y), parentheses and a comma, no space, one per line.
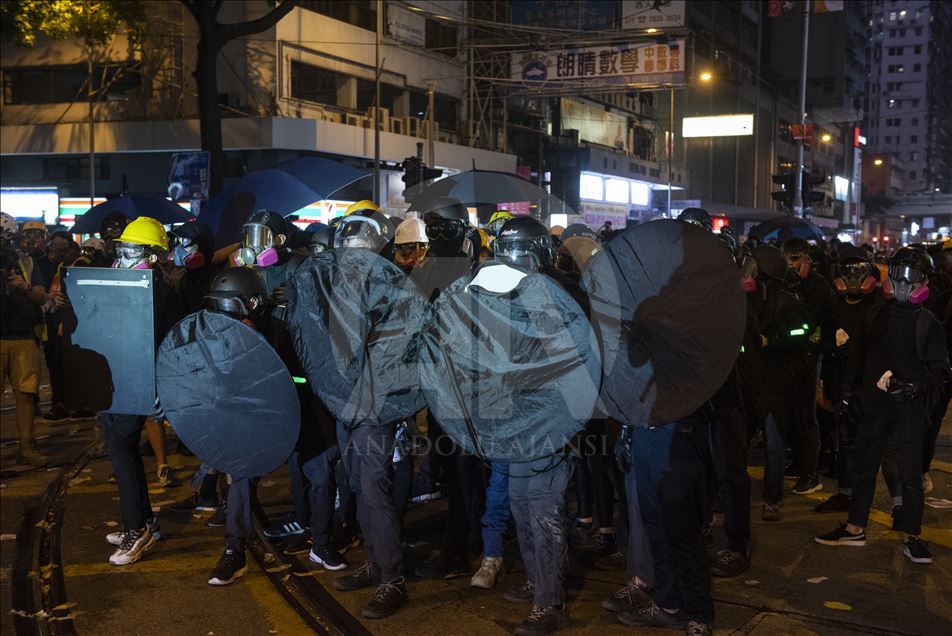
(376,189)
(670,144)
(92,132)
(431,125)
(801,117)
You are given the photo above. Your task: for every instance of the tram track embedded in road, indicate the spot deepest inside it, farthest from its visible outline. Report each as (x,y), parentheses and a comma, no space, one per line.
(40,606)
(316,606)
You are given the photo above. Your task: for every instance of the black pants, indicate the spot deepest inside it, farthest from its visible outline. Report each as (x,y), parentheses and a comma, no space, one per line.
(321,490)
(671,464)
(465,481)
(872,436)
(729,455)
(805,434)
(122,433)
(367,453)
(238,513)
(593,480)
(53,352)
(936,415)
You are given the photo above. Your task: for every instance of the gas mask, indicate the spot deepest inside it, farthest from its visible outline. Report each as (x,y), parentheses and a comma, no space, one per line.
(854,279)
(257,248)
(798,267)
(748,272)
(133,256)
(186,254)
(906,285)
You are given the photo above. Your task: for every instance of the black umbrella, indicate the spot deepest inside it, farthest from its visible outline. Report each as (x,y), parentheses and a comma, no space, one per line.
(782,228)
(227,394)
(667,305)
(133,206)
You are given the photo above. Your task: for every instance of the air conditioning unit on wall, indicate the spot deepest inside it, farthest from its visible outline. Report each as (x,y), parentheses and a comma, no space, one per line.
(384,118)
(413,126)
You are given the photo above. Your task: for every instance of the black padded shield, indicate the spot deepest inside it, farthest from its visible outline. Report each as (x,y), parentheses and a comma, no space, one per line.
(227,394)
(517,371)
(109,353)
(669,311)
(351,315)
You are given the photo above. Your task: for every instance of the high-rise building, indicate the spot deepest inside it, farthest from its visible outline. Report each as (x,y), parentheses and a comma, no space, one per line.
(908,91)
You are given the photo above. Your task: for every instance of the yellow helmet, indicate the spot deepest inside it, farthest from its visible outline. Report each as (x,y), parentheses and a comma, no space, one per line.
(484,240)
(366,204)
(145,230)
(497,220)
(34,225)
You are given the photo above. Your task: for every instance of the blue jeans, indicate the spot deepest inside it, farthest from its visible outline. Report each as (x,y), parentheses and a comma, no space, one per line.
(122,433)
(496,517)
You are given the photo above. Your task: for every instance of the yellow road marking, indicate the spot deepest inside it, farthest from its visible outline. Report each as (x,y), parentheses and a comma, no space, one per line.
(945,467)
(940,536)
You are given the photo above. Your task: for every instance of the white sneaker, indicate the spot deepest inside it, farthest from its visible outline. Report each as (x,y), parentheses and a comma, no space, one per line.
(488,572)
(927,484)
(115,538)
(132,546)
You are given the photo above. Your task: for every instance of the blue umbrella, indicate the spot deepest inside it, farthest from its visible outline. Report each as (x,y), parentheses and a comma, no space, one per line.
(782,228)
(133,206)
(285,188)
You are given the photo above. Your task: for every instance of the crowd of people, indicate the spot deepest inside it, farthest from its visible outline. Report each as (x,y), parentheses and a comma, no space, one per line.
(844,365)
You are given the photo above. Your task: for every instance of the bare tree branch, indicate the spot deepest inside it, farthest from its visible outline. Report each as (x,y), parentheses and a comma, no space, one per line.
(228,32)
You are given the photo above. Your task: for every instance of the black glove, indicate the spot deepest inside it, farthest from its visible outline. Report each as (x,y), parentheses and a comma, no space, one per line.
(623,449)
(902,391)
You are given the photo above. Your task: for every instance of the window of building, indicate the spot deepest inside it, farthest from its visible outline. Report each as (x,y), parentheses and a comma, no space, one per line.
(914,155)
(445,109)
(900,68)
(917,50)
(389,94)
(918,13)
(898,139)
(914,139)
(902,14)
(912,174)
(892,33)
(65,84)
(441,37)
(63,168)
(360,13)
(902,33)
(888,139)
(915,103)
(315,84)
(918,30)
(891,103)
(892,16)
(915,121)
(916,68)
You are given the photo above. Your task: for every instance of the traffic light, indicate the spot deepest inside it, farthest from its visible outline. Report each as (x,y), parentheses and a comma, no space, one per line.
(415,171)
(806,189)
(785,196)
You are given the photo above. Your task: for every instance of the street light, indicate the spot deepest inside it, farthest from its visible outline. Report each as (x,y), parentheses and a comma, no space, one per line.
(877,162)
(652,30)
(706,76)
(826,137)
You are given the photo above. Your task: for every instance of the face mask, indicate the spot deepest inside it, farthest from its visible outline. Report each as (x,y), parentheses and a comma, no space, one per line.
(246,256)
(188,257)
(906,292)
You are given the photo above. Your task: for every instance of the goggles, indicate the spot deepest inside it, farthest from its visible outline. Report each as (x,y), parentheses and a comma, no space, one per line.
(445,229)
(34,235)
(906,274)
(131,252)
(176,241)
(856,268)
(406,250)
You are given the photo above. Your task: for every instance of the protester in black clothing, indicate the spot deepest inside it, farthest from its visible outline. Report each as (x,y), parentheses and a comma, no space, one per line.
(896,359)
(192,247)
(855,284)
(815,293)
(109,231)
(940,304)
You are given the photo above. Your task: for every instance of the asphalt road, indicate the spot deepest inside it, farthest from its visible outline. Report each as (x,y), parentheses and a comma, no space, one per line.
(793,586)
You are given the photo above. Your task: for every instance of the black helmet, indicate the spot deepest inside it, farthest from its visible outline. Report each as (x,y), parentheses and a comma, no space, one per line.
(525,241)
(796,245)
(770,261)
(697,216)
(321,237)
(726,235)
(446,220)
(368,229)
(238,291)
(579,229)
(910,264)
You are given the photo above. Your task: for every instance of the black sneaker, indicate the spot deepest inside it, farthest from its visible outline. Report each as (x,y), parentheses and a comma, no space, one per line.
(388,598)
(837,503)
(367,575)
(605,544)
(805,486)
(231,566)
(771,512)
(652,616)
(329,559)
(55,414)
(443,566)
(841,536)
(730,564)
(580,535)
(791,472)
(298,544)
(423,492)
(345,538)
(219,517)
(695,628)
(916,550)
(627,599)
(543,620)
(522,594)
(897,518)
(284,529)
(611,562)
(192,503)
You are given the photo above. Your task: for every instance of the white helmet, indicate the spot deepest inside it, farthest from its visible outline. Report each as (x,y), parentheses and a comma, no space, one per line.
(411,230)
(8,225)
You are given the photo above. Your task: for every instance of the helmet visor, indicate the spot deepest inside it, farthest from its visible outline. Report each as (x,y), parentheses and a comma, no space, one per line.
(257,236)
(525,252)
(358,232)
(905,273)
(855,268)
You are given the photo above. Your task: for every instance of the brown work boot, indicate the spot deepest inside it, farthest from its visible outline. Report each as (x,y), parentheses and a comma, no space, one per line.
(29,456)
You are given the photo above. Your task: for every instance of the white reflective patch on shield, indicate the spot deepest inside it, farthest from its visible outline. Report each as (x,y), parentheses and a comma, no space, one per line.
(114,283)
(497,279)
